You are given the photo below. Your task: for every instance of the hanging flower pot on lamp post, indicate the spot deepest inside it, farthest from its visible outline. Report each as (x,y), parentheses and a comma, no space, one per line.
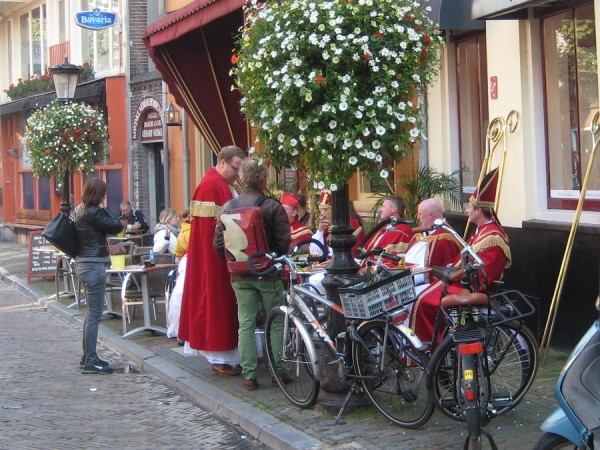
(332,86)
(65,137)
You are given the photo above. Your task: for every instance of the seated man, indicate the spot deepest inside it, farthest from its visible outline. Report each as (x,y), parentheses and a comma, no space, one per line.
(132,219)
(299,232)
(434,247)
(391,238)
(489,241)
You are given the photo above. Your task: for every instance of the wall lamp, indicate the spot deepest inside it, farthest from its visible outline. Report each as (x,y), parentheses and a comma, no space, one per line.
(172,115)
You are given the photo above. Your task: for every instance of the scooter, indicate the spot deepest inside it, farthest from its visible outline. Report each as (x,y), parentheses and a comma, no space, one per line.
(577,420)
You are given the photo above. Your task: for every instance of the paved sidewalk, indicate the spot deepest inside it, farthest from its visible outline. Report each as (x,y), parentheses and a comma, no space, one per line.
(266,414)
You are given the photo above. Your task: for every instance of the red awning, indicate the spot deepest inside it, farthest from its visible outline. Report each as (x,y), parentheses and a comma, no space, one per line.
(192,50)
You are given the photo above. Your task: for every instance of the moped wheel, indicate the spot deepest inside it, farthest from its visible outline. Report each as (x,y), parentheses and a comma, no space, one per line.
(393,374)
(292,358)
(551,441)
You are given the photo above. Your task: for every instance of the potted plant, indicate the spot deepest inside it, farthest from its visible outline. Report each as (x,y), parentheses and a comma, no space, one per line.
(65,138)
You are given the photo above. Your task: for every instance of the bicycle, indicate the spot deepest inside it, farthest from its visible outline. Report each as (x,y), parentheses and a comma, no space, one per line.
(368,354)
(485,342)
(512,350)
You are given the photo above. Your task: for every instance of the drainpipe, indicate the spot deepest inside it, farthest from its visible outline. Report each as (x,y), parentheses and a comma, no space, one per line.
(165,149)
(128,141)
(185,156)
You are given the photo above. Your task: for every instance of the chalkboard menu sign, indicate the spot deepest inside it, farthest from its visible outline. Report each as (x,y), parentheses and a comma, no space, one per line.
(42,257)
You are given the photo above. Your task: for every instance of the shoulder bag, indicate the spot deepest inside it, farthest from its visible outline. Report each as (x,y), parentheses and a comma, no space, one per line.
(61,233)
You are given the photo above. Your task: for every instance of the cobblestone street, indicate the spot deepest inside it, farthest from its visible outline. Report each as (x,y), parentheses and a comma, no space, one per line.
(46,403)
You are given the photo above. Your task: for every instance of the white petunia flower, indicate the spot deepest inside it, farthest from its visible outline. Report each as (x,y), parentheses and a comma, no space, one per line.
(333,187)
(384,173)
(353,160)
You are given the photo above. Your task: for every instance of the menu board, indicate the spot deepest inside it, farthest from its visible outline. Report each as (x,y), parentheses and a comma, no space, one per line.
(42,257)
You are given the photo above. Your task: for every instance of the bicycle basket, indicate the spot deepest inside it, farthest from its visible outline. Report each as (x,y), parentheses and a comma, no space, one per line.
(365,302)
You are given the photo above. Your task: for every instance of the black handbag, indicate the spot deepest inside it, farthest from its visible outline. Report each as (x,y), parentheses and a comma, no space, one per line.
(61,233)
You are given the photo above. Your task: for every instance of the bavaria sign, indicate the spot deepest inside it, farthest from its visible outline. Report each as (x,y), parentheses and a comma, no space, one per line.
(95,19)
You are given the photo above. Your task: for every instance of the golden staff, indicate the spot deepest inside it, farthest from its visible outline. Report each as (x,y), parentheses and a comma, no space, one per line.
(511,124)
(545,343)
(494,133)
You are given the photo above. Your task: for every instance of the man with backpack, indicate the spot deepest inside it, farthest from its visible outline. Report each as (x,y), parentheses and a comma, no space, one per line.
(248,224)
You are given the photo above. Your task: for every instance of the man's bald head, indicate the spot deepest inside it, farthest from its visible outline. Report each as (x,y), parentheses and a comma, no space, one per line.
(428,211)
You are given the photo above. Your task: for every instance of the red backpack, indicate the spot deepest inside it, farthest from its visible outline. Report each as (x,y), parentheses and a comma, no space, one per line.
(243,235)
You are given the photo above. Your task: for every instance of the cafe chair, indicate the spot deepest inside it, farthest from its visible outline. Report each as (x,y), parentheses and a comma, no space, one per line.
(139,254)
(65,275)
(169,286)
(164,258)
(131,293)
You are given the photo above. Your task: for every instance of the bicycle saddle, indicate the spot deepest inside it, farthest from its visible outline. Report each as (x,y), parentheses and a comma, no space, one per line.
(464,298)
(443,273)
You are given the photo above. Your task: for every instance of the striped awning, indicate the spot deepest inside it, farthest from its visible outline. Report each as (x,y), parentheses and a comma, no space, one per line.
(192,49)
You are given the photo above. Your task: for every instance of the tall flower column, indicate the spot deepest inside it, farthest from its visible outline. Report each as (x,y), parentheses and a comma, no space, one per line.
(331,86)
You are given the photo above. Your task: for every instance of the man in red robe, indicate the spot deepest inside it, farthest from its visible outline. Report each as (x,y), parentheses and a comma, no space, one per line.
(208,320)
(299,232)
(431,247)
(391,238)
(489,241)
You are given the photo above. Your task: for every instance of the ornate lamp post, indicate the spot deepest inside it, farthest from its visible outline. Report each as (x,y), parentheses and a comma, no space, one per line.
(65,77)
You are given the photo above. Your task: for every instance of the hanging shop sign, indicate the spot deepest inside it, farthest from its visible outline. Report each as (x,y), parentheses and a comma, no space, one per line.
(95,19)
(147,121)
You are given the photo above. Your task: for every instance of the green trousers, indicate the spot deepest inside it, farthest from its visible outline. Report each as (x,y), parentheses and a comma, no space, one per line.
(248,294)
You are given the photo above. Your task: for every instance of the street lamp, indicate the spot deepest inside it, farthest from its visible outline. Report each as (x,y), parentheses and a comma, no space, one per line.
(172,114)
(65,77)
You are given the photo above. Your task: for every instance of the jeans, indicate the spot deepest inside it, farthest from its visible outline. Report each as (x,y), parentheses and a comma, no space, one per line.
(248,294)
(93,277)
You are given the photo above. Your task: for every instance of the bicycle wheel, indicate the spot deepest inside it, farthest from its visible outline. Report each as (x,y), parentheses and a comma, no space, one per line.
(393,374)
(512,359)
(293,354)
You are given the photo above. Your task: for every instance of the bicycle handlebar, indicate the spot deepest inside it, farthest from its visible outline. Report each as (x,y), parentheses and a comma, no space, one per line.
(467,249)
(277,262)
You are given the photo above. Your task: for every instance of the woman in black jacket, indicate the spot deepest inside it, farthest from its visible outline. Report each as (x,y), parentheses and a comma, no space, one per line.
(93,223)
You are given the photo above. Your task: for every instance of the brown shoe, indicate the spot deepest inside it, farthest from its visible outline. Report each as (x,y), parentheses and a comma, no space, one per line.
(251,384)
(285,377)
(225,370)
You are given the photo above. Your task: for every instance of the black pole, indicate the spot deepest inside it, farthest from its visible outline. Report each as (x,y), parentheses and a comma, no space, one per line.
(342,270)
(65,206)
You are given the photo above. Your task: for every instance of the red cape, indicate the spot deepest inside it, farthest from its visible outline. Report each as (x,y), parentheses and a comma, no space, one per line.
(490,242)
(208,309)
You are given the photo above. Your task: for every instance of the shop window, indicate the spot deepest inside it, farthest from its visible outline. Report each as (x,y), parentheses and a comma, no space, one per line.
(28,190)
(102,47)
(35,192)
(571,97)
(473,119)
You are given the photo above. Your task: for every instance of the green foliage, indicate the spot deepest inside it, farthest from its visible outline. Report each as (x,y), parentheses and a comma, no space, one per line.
(423,183)
(38,84)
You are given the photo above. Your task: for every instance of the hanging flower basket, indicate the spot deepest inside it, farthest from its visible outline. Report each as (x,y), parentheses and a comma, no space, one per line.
(333,84)
(65,137)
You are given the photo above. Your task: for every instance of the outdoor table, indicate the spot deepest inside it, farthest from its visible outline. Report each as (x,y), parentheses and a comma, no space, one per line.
(143,272)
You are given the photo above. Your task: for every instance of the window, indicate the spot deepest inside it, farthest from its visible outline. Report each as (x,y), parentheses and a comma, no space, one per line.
(36,192)
(571,96)
(101,47)
(471,80)
(34,46)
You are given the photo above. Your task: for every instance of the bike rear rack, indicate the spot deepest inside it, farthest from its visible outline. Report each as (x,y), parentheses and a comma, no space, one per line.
(506,306)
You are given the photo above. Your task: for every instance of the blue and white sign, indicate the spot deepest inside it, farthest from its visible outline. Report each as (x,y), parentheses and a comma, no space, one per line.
(95,19)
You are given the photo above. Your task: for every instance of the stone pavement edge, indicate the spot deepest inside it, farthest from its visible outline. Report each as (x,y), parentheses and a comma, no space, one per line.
(266,414)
